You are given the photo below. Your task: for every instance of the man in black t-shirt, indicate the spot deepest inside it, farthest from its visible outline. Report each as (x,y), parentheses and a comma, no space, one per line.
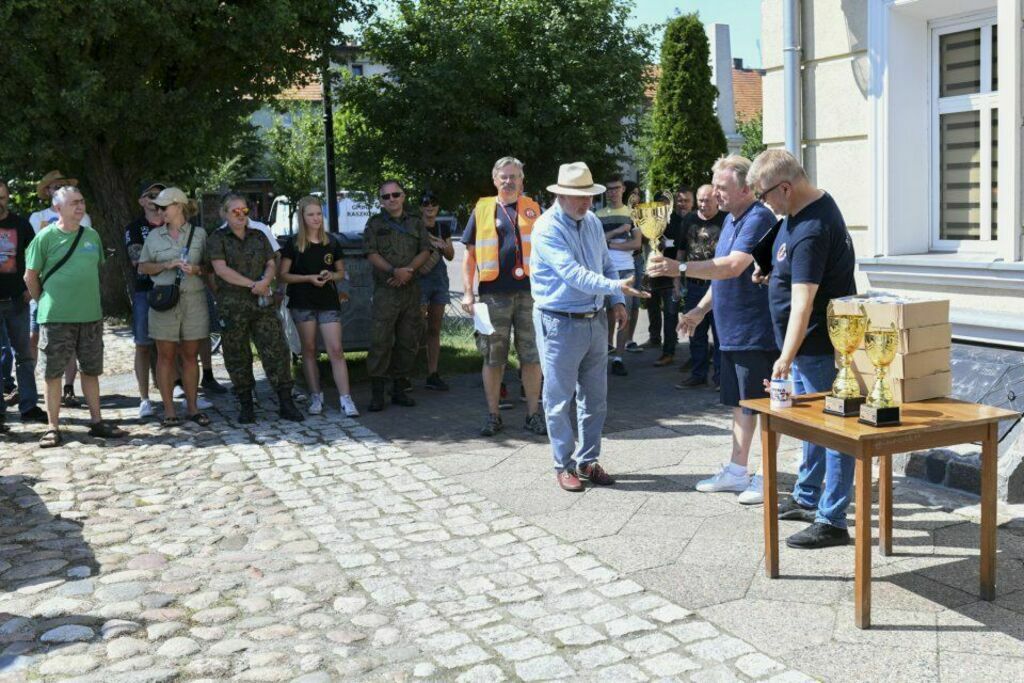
(813,263)
(15,234)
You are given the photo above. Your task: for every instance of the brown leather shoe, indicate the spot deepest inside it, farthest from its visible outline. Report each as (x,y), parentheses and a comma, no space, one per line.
(663,361)
(595,474)
(569,481)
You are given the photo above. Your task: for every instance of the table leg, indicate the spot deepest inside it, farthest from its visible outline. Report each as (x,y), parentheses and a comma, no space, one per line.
(769,451)
(885,504)
(989,462)
(862,547)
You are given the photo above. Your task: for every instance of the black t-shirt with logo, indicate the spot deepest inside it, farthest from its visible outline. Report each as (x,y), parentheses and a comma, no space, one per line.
(135,234)
(699,237)
(812,247)
(15,234)
(314,260)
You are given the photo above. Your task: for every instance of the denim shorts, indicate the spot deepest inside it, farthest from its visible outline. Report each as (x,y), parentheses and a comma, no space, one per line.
(307,315)
(743,376)
(434,288)
(140,319)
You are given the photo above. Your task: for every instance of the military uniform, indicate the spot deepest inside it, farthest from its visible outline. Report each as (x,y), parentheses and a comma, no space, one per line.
(242,317)
(397,318)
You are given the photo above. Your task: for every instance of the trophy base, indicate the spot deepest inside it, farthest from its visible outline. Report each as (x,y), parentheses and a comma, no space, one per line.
(843,407)
(879,417)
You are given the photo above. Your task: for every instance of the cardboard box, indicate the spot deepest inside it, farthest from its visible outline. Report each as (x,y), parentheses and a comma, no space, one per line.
(906,365)
(886,309)
(918,339)
(938,385)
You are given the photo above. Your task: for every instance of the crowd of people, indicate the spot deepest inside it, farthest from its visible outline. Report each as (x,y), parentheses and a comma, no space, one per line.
(567,282)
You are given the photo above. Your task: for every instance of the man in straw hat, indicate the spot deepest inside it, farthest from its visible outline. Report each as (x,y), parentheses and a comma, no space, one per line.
(572,275)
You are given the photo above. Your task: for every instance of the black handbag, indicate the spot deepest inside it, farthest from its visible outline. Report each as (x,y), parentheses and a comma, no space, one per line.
(165,297)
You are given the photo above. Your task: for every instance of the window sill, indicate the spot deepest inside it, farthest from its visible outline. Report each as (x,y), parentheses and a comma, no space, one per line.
(945,270)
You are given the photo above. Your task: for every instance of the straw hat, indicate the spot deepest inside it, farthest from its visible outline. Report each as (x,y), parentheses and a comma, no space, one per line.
(51,178)
(575,179)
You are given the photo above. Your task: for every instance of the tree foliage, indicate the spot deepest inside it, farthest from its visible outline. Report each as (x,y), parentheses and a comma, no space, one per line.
(114,92)
(752,130)
(474,80)
(295,149)
(686,137)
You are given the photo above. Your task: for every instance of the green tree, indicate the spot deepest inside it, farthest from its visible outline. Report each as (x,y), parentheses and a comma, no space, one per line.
(113,91)
(295,148)
(474,80)
(752,130)
(686,137)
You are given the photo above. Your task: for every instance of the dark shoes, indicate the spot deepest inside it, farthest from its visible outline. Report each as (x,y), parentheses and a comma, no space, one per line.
(107,430)
(246,409)
(692,383)
(504,402)
(792,510)
(398,395)
(618,367)
(34,414)
(569,481)
(287,408)
(687,366)
(210,385)
(378,398)
(665,359)
(535,423)
(68,398)
(595,474)
(819,535)
(493,425)
(435,383)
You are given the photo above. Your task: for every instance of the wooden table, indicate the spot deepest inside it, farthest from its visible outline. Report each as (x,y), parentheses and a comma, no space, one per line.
(926,424)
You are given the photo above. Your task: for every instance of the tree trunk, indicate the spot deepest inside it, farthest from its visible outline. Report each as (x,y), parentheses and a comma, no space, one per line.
(110,190)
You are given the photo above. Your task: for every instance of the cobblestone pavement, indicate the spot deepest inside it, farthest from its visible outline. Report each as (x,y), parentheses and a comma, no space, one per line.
(312,552)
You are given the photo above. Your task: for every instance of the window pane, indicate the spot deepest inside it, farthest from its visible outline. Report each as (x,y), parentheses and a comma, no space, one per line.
(995,58)
(960,179)
(995,172)
(960,63)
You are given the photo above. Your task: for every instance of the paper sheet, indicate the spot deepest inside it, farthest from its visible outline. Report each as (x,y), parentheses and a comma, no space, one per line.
(482,319)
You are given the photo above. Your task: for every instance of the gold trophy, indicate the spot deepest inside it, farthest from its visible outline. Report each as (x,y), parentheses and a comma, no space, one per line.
(846,333)
(652,219)
(881,409)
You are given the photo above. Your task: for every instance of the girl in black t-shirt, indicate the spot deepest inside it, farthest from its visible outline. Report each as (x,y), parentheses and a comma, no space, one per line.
(311,264)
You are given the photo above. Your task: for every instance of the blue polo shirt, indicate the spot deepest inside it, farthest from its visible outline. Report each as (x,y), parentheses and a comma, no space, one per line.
(742,319)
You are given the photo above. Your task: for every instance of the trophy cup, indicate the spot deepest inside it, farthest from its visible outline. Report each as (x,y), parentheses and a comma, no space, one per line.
(880,409)
(652,219)
(846,332)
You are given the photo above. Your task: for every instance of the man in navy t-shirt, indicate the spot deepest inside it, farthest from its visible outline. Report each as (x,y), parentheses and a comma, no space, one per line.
(742,321)
(813,263)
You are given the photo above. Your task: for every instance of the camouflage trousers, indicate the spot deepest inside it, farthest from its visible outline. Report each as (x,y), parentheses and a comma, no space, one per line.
(396,331)
(247,325)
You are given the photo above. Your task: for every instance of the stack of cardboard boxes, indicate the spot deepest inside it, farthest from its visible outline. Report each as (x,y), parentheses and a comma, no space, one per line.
(921,369)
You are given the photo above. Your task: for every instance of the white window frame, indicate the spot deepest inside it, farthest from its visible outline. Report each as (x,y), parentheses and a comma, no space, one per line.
(983,102)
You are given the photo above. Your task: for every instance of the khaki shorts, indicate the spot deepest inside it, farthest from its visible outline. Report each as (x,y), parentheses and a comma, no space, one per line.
(508,310)
(60,343)
(188,321)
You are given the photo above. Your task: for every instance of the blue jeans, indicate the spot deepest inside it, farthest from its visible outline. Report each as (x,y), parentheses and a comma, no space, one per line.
(14,320)
(822,465)
(574,358)
(6,360)
(699,344)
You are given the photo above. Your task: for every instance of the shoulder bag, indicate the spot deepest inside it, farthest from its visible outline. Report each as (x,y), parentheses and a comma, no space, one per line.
(165,297)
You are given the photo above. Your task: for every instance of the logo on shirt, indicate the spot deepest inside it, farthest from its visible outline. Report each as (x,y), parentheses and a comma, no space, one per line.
(328,258)
(780,255)
(531,214)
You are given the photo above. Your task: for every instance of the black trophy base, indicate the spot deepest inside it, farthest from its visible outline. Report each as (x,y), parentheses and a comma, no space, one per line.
(879,417)
(843,407)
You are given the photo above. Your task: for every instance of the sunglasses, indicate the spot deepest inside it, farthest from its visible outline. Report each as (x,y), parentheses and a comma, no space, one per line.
(384,196)
(428,202)
(152,195)
(241,211)
(157,207)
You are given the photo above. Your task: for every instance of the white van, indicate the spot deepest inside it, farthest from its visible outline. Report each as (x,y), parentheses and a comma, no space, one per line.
(354,209)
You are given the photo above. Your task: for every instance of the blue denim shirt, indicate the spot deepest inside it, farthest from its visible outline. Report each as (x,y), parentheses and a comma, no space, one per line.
(570,269)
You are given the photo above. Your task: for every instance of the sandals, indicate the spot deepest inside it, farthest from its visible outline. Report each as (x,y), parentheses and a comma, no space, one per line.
(107,430)
(50,439)
(201,419)
(169,422)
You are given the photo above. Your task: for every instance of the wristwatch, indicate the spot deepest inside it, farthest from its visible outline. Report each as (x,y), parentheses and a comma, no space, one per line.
(682,267)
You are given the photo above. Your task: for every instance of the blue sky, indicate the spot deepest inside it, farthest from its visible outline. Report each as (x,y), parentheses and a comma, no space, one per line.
(743,17)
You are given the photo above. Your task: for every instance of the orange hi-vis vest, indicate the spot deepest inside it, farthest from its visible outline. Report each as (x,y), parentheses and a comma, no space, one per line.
(528,211)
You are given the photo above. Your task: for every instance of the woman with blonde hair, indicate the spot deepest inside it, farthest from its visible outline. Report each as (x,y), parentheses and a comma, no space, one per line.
(172,256)
(311,264)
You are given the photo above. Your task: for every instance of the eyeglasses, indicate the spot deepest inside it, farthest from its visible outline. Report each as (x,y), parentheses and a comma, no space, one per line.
(759,196)
(240,211)
(428,202)
(384,196)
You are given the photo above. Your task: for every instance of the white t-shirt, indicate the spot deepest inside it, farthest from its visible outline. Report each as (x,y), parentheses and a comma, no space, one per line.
(42,219)
(265,229)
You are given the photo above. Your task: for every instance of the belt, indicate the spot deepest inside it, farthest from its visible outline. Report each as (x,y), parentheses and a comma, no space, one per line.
(575,316)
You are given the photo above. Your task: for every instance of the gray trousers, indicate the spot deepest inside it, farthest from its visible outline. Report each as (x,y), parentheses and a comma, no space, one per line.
(574,360)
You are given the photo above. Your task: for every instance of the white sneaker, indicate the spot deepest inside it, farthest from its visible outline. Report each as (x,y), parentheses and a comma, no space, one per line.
(146,408)
(725,480)
(754,494)
(316,404)
(349,406)
(203,403)
(179,391)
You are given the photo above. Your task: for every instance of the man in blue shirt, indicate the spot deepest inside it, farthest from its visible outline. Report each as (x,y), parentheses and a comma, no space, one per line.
(742,321)
(572,275)
(813,263)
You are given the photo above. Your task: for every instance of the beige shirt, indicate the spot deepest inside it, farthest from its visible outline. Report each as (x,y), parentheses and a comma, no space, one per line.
(159,247)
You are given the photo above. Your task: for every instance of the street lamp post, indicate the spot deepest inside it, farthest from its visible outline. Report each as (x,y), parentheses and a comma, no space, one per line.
(331,190)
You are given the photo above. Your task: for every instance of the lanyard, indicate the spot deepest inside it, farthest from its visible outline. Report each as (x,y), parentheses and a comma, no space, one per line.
(397,226)
(519,273)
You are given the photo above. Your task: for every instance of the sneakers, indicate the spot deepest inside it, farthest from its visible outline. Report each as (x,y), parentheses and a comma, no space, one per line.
(633,347)
(348,406)
(146,409)
(819,535)
(754,493)
(211,386)
(503,400)
(316,404)
(664,360)
(203,403)
(179,391)
(618,367)
(535,423)
(692,383)
(435,383)
(725,480)
(493,425)
(68,398)
(790,509)
(35,414)
(569,481)
(595,474)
